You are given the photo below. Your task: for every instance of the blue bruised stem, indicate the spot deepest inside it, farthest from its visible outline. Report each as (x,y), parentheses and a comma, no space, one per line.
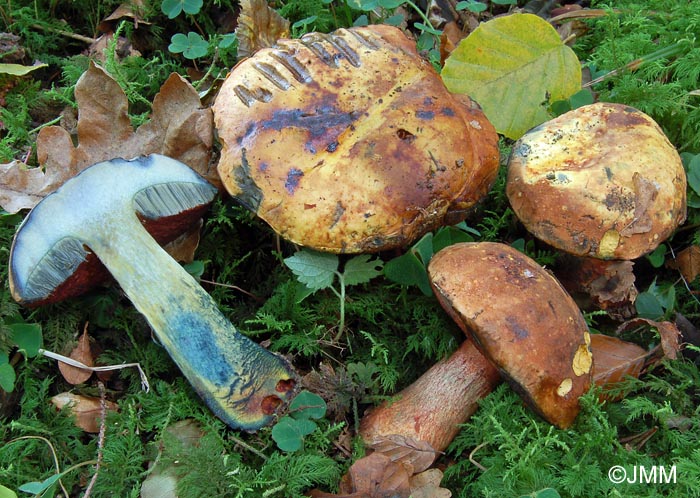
(95,211)
(240,381)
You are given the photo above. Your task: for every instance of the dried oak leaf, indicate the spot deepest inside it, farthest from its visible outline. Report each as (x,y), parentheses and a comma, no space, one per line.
(405,450)
(179,128)
(668,333)
(85,408)
(82,352)
(615,359)
(259,26)
(687,262)
(427,485)
(373,476)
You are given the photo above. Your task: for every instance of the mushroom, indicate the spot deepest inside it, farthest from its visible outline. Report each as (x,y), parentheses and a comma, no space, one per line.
(107,212)
(349,142)
(521,319)
(433,407)
(602,180)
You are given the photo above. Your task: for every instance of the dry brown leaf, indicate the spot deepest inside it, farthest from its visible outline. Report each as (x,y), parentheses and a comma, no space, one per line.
(427,485)
(182,249)
(687,262)
(82,352)
(608,283)
(449,39)
(259,26)
(402,449)
(132,10)
(85,408)
(614,359)
(179,128)
(668,332)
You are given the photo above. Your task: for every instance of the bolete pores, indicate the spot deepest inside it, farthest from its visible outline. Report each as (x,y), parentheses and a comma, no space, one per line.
(521,319)
(349,142)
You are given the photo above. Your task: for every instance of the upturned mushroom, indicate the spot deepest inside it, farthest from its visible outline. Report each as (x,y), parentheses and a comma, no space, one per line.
(602,180)
(349,142)
(111,212)
(521,319)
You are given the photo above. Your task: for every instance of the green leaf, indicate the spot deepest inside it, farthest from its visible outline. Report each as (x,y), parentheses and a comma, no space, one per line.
(6,492)
(693,170)
(360,270)
(314,269)
(471,6)
(191,46)
(173,8)
(514,66)
(19,69)
(289,433)
(40,487)
(27,336)
(307,405)
(543,493)
(195,268)
(7,377)
(648,306)
(407,269)
(658,256)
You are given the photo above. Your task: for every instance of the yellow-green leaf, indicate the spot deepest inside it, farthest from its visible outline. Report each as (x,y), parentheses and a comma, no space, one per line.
(18,69)
(514,66)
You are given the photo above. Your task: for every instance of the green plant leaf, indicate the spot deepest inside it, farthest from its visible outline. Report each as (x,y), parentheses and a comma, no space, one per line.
(543,493)
(360,270)
(173,8)
(7,377)
(692,164)
(407,269)
(27,336)
(316,270)
(41,487)
(514,66)
(7,492)
(289,433)
(307,405)
(191,46)
(19,69)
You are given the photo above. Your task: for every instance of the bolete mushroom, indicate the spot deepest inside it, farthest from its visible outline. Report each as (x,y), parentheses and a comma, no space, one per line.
(602,180)
(521,319)
(432,408)
(349,142)
(107,212)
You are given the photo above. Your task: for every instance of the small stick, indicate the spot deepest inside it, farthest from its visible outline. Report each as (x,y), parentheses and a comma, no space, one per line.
(471,457)
(100,438)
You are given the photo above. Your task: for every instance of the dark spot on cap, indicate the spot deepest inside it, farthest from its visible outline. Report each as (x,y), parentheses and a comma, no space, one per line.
(428,115)
(293,177)
(446,111)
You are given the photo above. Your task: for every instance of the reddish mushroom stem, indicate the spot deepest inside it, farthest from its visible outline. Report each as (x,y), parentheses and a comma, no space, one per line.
(433,407)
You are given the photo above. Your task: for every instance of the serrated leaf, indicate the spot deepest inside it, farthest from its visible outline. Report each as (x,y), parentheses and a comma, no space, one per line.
(360,270)
(307,405)
(513,66)
(27,336)
(314,269)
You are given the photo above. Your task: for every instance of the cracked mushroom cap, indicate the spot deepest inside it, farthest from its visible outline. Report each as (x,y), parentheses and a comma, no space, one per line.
(521,319)
(350,142)
(602,180)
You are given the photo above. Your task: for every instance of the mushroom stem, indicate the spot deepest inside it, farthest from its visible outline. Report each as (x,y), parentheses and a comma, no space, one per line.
(240,381)
(433,407)
(95,214)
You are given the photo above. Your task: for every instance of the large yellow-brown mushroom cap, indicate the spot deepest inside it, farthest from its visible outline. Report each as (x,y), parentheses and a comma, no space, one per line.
(602,180)
(350,142)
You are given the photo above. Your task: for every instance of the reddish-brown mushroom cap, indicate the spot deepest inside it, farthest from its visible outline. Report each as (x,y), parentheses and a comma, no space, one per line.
(602,180)
(522,319)
(350,142)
